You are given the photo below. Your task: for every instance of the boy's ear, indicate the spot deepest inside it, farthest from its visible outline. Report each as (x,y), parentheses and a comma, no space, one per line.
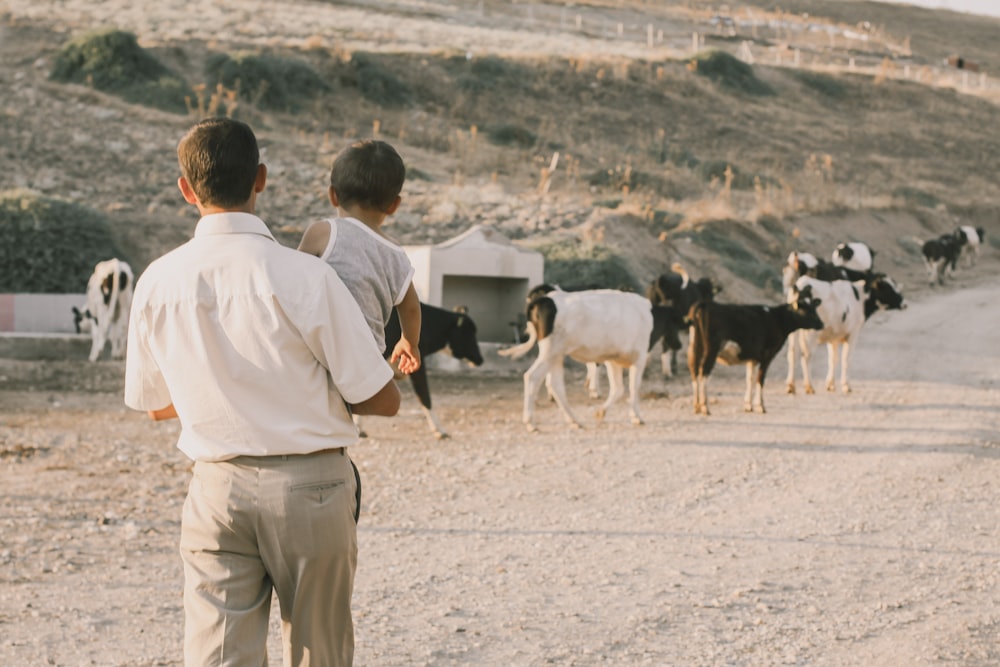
(394,206)
(333,196)
(261,179)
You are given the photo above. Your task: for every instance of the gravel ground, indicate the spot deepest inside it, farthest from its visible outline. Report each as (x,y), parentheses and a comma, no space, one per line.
(856,529)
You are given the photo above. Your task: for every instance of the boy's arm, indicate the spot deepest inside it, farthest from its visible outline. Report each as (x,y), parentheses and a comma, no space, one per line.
(315,238)
(163,413)
(407,350)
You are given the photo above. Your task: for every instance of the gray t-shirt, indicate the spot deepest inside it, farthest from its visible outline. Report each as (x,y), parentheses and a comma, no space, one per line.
(376,270)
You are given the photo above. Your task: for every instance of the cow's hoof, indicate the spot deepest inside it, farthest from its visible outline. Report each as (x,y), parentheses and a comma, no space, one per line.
(531,428)
(830,387)
(638,421)
(810,390)
(790,389)
(748,408)
(845,389)
(600,414)
(441,435)
(362,434)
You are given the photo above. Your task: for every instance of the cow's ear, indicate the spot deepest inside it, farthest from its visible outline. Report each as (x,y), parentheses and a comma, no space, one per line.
(461,309)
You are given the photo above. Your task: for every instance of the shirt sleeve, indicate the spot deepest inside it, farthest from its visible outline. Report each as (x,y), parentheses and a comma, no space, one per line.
(403,274)
(337,333)
(145,387)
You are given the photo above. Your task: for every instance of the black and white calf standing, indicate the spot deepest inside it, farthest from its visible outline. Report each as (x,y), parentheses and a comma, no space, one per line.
(844,308)
(974,237)
(109,300)
(439,328)
(941,255)
(744,334)
(676,289)
(600,326)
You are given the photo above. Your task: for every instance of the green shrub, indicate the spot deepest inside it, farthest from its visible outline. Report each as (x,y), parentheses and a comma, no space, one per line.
(49,245)
(113,61)
(916,196)
(378,84)
(577,265)
(729,72)
(267,81)
(823,84)
(511,135)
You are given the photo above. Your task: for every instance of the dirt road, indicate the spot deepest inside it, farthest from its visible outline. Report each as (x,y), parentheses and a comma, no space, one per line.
(834,530)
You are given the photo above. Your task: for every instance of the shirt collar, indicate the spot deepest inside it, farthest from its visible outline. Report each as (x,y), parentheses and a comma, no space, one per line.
(232,223)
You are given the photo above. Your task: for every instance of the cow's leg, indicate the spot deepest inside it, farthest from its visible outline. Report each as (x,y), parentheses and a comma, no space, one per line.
(634,382)
(748,396)
(667,361)
(790,379)
(357,423)
(559,390)
(533,377)
(616,389)
(593,381)
(805,356)
(701,400)
(97,342)
(832,349)
(845,356)
(117,340)
(422,389)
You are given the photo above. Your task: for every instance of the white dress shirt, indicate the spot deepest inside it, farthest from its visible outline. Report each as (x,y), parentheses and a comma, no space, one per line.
(253,342)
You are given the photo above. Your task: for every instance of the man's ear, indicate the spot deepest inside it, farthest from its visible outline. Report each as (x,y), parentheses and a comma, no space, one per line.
(394,206)
(261,179)
(186,190)
(334,199)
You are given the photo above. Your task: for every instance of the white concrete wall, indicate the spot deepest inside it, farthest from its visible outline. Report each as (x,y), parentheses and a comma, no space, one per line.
(39,313)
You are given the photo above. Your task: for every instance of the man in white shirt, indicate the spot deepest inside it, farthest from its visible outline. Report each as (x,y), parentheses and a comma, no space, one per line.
(259,350)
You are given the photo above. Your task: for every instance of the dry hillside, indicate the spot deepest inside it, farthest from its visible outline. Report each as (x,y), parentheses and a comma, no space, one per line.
(848,126)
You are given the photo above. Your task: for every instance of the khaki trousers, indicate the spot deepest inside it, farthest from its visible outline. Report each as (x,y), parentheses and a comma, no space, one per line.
(251,524)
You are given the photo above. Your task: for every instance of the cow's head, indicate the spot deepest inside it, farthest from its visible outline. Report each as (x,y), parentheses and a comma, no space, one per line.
(804,304)
(83,320)
(462,338)
(885,293)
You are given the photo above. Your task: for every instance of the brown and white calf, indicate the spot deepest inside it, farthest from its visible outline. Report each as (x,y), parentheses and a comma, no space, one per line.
(844,308)
(109,298)
(600,326)
(743,334)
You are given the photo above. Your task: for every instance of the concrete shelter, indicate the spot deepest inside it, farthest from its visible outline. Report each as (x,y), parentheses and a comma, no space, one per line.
(482,270)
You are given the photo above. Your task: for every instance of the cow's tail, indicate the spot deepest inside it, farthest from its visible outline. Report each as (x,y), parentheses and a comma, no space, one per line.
(115,290)
(519,351)
(677,268)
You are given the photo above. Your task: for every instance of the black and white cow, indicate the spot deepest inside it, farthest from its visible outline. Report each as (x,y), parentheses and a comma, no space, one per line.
(974,239)
(109,299)
(676,289)
(806,264)
(600,326)
(856,256)
(439,328)
(844,308)
(743,334)
(941,256)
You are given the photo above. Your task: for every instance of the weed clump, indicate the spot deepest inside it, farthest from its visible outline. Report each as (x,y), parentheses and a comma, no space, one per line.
(49,245)
(378,84)
(574,265)
(511,135)
(267,81)
(729,72)
(112,61)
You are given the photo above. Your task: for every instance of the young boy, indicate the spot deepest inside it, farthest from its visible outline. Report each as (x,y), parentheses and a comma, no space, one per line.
(365,182)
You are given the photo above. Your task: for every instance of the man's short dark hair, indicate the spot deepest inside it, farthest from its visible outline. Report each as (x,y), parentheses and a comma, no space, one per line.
(219,158)
(368,173)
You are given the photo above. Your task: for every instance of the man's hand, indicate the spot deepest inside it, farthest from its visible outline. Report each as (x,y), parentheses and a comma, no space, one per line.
(163,413)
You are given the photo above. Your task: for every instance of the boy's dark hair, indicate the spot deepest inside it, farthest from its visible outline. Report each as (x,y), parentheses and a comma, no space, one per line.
(368,173)
(219,158)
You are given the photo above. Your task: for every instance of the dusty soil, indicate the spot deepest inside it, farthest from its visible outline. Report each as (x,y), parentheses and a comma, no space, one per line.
(836,530)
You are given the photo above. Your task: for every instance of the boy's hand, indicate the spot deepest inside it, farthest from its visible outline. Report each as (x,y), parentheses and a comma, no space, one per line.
(407,355)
